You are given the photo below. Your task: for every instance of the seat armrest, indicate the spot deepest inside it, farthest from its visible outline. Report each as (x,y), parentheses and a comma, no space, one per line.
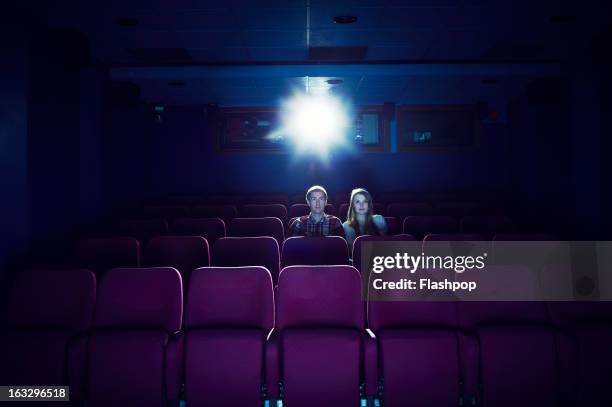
(174,367)
(272,365)
(370,354)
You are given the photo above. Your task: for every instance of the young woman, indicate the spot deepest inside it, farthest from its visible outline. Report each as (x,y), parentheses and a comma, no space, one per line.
(360,219)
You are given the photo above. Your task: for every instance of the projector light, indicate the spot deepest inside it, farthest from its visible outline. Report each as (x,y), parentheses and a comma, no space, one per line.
(315,122)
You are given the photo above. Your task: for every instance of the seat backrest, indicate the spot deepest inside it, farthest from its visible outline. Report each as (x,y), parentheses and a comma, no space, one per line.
(101,254)
(265,210)
(328,250)
(320,321)
(229,312)
(401,210)
(43,339)
(225,212)
(209,228)
(356,256)
(248,251)
(129,351)
(253,227)
(297,210)
(185,253)
(420,226)
(143,229)
(393,226)
(460,209)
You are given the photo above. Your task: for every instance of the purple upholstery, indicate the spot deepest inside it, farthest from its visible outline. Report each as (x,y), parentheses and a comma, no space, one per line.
(519,364)
(101,254)
(297,210)
(356,256)
(328,250)
(282,199)
(401,210)
(209,228)
(590,324)
(226,200)
(253,227)
(229,313)
(185,253)
(225,212)
(143,229)
(132,349)
(168,212)
(420,226)
(320,318)
(248,251)
(265,211)
(330,209)
(43,342)
(419,344)
(488,226)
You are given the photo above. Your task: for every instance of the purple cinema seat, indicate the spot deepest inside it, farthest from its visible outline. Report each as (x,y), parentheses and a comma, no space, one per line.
(393,226)
(253,227)
(248,251)
(225,212)
(143,229)
(401,210)
(420,226)
(590,325)
(330,209)
(357,245)
(265,211)
(282,199)
(328,250)
(320,335)
(184,253)
(209,228)
(101,254)
(43,341)
(419,343)
(297,210)
(168,212)
(488,226)
(228,316)
(134,349)
(519,364)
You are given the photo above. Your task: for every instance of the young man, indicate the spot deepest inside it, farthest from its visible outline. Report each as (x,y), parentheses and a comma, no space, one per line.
(317,223)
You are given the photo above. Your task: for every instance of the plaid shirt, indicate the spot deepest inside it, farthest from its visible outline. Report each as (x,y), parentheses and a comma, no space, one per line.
(329,225)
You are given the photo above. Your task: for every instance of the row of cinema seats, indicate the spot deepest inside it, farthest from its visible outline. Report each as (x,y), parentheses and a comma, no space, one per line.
(187,253)
(125,342)
(395,210)
(215,228)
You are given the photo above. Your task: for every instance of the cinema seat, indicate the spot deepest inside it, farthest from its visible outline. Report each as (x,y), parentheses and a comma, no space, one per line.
(420,226)
(488,226)
(460,209)
(297,210)
(143,229)
(320,332)
(101,254)
(43,341)
(168,212)
(248,251)
(356,255)
(401,210)
(328,250)
(282,199)
(209,228)
(590,327)
(184,253)
(393,226)
(265,211)
(330,209)
(424,359)
(229,314)
(519,364)
(134,349)
(253,227)
(225,212)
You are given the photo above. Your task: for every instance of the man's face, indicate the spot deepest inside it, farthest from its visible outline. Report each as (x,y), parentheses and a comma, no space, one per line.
(316,202)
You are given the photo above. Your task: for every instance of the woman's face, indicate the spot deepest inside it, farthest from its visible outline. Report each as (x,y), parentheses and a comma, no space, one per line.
(360,204)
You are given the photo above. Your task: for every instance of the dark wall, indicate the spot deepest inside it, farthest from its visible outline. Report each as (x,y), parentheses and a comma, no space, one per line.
(184,159)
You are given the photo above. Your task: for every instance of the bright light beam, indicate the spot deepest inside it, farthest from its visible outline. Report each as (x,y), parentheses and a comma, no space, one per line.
(315,122)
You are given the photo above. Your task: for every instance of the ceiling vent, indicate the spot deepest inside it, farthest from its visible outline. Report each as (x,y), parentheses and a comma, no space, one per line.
(337,54)
(160,55)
